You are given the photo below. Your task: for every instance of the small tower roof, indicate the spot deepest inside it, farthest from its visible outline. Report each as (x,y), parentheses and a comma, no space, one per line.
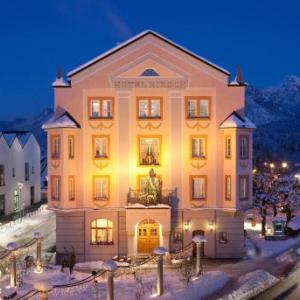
(238,79)
(234,120)
(65,120)
(59,81)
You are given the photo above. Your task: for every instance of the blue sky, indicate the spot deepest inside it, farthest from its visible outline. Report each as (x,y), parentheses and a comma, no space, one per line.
(36,36)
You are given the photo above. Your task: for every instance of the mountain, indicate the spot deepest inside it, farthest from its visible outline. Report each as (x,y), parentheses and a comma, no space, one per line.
(276,113)
(32,124)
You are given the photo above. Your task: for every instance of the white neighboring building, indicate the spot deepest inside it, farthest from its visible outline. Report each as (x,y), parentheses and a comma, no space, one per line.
(19,171)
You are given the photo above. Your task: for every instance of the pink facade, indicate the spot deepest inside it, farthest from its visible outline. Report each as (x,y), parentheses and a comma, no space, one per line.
(149,104)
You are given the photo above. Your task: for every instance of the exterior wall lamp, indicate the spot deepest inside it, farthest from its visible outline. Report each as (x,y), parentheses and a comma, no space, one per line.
(211,226)
(187,225)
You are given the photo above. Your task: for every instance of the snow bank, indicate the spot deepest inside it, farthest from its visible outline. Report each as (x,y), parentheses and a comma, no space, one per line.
(252,284)
(294,224)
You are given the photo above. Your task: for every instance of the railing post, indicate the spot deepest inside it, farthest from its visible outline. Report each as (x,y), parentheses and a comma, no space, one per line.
(13,264)
(160,252)
(38,236)
(110,267)
(198,240)
(43,288)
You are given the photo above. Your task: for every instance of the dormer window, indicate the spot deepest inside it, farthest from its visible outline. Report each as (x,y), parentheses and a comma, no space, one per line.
(149,107)
(100,108)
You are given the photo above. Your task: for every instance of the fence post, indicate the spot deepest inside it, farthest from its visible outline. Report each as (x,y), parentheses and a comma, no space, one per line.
(160,252)
(38,236)
(110,267)
(13,264)
(43,287)
(198,240)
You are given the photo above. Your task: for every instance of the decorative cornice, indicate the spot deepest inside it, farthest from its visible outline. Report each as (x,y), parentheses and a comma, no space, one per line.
(149,125)
(197,125)
(100,125)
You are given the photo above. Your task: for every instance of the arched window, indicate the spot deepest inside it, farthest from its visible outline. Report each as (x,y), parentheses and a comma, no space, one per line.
(101,232)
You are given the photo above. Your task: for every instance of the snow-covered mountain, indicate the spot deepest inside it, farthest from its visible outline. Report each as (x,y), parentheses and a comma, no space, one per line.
(276,113)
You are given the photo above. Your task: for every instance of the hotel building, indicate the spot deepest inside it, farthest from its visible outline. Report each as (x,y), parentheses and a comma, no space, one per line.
(148,146)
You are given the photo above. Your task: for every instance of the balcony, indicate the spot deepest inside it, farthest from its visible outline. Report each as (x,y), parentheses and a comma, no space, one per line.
(163,197)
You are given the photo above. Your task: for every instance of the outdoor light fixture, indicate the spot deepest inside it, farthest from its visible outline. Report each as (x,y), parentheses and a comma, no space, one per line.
(254,171)
(211,225)
(284,165)
(186,226)
(272,165)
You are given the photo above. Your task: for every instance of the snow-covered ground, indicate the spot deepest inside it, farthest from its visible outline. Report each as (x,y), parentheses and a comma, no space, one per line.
(127,286)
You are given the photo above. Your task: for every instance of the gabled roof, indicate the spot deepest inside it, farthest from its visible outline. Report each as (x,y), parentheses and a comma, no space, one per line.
(134,39)
(63,121)
(10,136)
(234,120)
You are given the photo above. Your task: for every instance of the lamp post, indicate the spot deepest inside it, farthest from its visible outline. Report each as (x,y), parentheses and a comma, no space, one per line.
(160,252)
(13,264)
(110,267)
(38,236)
(199,240)
(20,187)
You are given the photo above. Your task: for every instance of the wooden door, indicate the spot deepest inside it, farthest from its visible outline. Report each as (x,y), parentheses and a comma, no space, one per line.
(148,236)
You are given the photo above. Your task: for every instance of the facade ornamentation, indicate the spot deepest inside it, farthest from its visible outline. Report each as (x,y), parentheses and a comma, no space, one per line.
(101,125)
(101,164)
(55,164)
(149,125)
(198,164)
(197,125)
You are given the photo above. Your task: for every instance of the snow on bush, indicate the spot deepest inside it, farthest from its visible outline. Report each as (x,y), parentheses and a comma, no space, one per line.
(252,284)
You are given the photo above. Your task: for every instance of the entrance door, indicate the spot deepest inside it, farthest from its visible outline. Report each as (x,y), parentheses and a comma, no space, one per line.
(148,236)
(31,195)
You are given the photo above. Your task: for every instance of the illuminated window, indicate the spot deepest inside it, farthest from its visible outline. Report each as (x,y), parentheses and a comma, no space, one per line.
(100,146)
(101,188)
(227,187)
(244,146)
(198,187)
(2,175)
(101,108)
(71,146)
(199,147)
(197,107)
(244,187)
(227,146)
(149,108)
(101,232)
(71,183)
(55,147)
(55,187)
(149,150)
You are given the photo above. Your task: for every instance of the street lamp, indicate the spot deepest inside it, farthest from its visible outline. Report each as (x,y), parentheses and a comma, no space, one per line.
(20,186)
(272,165)
(284,165)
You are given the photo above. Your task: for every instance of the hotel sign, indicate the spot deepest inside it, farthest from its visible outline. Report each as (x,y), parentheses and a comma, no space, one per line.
(141,83)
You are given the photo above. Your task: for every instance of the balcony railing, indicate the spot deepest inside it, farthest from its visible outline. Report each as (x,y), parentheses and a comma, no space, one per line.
(167,197)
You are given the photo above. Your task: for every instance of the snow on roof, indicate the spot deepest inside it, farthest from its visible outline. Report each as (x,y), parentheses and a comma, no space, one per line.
(294,224)
(63,121)
(135,38)
(10,136)
(60,82)
(234,120)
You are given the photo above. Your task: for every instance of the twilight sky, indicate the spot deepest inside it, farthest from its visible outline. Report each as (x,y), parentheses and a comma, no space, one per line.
(36,36)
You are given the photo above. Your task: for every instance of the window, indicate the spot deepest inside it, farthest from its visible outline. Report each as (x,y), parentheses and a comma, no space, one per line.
(71,146)
(244,146)
(101,232)
(17,203)
(55,146)
(149,150)
(149,107)
(13,172)
(55,187)
(199,147)
(223,237)
(71,183)
(32,170)
(2,205)
(244,187)
(227,146)
(197,107)
(100,146)
(198,184)
(227,187)
(26,171)
(101,108)
(2,175)
(101,187)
